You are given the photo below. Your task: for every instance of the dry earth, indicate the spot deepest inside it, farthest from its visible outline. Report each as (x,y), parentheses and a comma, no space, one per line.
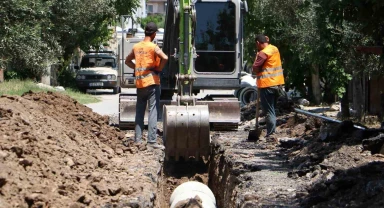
(55,152)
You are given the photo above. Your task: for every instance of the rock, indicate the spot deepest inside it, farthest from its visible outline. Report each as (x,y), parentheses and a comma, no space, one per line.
(329,176)
(3,181)
(335,107)
(76,205)
(18,151)
(119,151)
(129,135)
(108,150)
(25,162)
(3,154)
(100,188)
(34,199)
(103,138)
(152,196)
(85,199)
(94,177)
(102,163)
(303,101)
(128,190)
(44,86)
(69,161)
(114,190)
(287,142)
(250,197)
(133,203)
(60,88)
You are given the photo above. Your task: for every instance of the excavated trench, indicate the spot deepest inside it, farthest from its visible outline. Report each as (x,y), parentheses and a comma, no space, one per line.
(210,172)
(216,172)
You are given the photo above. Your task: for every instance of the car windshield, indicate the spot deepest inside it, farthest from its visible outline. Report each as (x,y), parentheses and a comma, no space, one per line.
(88,62)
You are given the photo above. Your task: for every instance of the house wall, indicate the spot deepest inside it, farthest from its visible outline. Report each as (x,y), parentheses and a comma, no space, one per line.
(158,6)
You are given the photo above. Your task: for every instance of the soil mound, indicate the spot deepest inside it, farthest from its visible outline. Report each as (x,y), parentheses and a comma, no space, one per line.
(55,152)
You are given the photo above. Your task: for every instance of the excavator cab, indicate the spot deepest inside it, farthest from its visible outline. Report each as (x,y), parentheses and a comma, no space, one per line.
(204,42)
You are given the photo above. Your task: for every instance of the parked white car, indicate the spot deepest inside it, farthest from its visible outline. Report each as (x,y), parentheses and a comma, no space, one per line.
(98,70)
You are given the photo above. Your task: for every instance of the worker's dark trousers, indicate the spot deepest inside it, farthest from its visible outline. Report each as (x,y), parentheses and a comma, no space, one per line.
(148,95)
(268,99)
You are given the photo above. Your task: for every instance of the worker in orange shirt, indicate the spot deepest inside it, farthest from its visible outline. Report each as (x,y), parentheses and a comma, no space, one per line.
(149,62)
(270,79)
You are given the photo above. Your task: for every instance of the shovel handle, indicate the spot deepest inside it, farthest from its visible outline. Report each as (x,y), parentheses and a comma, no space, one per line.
(257,108)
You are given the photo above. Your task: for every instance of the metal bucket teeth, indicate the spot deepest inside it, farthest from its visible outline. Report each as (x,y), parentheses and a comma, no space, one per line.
(186,131)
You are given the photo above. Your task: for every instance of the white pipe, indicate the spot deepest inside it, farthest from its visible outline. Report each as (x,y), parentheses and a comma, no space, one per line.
(191,189)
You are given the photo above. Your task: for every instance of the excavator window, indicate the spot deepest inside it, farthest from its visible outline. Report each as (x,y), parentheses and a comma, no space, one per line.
(215,37)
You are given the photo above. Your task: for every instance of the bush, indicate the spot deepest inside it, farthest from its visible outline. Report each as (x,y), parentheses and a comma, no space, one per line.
(9,75)
(66,78)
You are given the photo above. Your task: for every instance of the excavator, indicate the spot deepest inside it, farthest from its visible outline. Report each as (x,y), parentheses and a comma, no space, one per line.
(204,42)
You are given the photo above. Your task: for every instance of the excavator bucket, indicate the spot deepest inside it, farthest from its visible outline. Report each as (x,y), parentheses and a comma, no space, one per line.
(186,131)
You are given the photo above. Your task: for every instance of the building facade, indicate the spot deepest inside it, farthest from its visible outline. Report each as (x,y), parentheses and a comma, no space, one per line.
(154,7)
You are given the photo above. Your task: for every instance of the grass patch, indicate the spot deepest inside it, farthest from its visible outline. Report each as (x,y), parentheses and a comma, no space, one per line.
(17,87)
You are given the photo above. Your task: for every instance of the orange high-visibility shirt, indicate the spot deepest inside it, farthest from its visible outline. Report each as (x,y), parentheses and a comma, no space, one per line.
(271,73)
(146,60)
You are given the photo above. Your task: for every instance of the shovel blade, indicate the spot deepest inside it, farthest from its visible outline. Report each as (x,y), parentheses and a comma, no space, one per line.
(254,134)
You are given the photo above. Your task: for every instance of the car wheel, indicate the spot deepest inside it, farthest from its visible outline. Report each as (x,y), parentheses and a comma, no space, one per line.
(116,90)
(83,90)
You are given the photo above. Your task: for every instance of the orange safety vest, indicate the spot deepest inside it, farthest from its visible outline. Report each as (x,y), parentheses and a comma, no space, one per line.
(272,71)
(146,60)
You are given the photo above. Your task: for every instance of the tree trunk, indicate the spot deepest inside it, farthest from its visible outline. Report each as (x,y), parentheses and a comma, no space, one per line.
(345,103)
(1,75)
(358,97)
(316,84)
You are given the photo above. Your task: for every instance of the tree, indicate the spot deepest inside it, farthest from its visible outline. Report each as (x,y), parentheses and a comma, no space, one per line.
(23,46)
(37,33)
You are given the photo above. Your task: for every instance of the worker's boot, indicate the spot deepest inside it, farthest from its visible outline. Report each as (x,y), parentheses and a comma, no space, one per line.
(152,146)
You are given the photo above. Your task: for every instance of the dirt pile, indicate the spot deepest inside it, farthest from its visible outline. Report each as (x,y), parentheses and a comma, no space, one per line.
(340,166)
(55,152)
(308,163)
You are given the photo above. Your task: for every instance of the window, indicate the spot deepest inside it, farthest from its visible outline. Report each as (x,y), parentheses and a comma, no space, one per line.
(149,8)
(215,37)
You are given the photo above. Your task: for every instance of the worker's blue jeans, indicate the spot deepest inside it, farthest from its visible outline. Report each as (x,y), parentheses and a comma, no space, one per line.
(148,95)
(268,99)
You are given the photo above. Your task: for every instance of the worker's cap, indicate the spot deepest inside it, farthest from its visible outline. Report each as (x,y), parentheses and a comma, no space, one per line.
(150,28)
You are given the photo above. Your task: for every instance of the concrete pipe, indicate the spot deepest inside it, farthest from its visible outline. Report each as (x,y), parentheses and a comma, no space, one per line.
(191,189)
(248,95)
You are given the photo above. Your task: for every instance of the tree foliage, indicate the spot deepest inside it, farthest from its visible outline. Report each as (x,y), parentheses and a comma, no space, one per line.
(157,18)
(319,34)
(37,33)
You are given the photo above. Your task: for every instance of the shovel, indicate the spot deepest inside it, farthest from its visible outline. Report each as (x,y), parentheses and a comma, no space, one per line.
(255,134)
